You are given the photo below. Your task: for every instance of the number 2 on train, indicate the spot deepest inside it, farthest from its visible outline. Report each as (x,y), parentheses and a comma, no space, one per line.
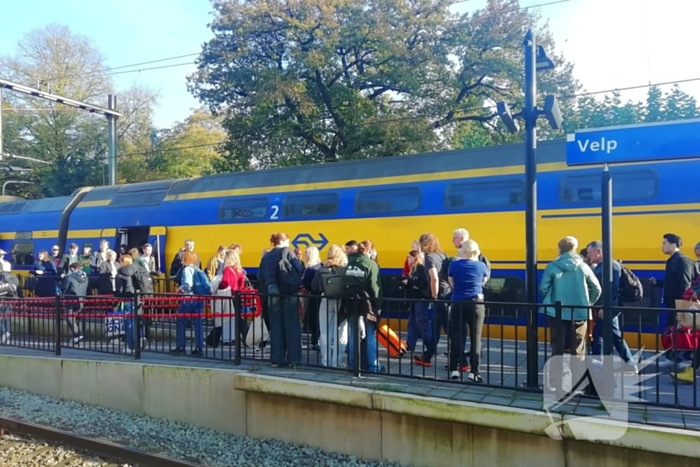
(275,211)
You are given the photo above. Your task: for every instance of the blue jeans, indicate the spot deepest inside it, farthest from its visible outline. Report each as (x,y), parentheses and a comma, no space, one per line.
(420,324)
(129,325)
(440,322)
(618,341)
(5,309)
(370,329)
(190,307)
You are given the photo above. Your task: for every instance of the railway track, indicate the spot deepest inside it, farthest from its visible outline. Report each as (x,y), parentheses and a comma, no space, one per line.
(29,444)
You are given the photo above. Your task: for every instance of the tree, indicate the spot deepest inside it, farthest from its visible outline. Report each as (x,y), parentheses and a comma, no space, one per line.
(73,141)
(611,111)
(189,149)
(310,81)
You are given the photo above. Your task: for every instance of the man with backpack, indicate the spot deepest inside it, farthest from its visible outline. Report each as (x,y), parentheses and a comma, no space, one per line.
(75,285)
(595,258)
(193,284)
(282,273)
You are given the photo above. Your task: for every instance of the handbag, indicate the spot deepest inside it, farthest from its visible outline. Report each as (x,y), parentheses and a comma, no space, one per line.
(690,318)
(257,333)
(680,338)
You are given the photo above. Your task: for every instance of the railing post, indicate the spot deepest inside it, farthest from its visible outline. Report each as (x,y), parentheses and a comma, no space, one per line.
(532,346)
(559,345)
(355,317)
(238,320)
(136,311)
(57,324)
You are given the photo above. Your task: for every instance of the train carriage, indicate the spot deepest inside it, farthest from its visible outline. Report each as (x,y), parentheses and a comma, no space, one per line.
(390,201)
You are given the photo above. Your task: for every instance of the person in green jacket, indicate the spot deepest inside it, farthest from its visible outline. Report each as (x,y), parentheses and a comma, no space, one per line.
(362,274)
(569,280)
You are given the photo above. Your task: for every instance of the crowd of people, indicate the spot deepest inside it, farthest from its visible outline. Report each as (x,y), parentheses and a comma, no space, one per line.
(446,292)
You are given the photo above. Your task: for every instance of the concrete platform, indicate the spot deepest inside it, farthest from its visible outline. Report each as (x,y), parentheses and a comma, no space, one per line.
(415,422)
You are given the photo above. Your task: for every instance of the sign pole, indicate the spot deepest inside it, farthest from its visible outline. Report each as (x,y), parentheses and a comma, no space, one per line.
(607,285)
(530,116)
(112,140)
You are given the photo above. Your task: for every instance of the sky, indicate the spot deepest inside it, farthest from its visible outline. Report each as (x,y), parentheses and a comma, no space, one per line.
(612,43)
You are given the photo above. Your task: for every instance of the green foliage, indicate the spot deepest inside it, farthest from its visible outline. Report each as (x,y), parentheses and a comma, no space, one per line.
(312,81)
(72,141)
(611,111)
(189,148)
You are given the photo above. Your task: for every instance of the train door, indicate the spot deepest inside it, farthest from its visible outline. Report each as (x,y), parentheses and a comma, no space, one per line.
(136,237)
(156,237)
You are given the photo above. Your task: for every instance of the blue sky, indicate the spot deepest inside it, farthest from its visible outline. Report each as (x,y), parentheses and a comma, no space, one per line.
(613,43)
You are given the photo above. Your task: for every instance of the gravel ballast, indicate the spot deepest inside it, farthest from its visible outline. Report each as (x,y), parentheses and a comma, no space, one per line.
(207,447)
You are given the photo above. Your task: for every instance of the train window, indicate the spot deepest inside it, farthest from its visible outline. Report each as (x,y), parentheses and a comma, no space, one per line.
(251,208)
(388,200)
(10,208)
(485,194)
(322,204)
(503,290)
(626,186)
(138,199)
(22,253)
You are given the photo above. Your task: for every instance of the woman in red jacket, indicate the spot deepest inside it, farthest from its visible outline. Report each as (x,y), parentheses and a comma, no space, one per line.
(234,274)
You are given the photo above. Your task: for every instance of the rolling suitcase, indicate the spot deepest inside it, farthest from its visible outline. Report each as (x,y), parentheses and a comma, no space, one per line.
(391,341)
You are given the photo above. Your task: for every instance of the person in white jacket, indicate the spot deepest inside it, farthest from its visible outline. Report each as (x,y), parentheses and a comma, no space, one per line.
(5,266)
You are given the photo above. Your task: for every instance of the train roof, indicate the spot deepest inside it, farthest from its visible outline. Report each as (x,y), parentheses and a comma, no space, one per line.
(153,193)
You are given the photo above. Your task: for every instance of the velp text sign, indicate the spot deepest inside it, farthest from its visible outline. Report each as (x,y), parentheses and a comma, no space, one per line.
(634,143)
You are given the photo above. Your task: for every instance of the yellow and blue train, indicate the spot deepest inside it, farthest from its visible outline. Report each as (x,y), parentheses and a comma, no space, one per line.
(390,201)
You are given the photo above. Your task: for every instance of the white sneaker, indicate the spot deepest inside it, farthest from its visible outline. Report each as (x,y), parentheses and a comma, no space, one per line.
(4,338)
(77,339)
(667,363)
(475,378)
(455,375)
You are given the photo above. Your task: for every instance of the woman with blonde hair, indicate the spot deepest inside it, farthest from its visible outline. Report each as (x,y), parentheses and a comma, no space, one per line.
(215,266)
(467,277)
(232,279)
(312,258)
(192,306)
(328,282)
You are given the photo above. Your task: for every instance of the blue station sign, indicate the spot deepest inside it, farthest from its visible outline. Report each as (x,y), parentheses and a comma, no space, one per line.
(634,143)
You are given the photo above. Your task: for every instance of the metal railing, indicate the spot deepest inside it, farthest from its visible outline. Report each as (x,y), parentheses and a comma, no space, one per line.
(434,340)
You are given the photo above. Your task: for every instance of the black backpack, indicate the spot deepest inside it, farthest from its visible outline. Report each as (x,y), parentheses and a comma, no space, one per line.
(289,279)
(631,288)
(143,282)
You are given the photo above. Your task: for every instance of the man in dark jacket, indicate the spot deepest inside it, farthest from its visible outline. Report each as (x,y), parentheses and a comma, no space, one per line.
(68,259)
(131,278)
(363,286)
(678,276)
(594,255)
(74,285)
(285,330)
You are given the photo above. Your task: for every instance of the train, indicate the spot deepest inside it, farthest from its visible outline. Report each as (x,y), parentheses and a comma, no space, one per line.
(390,201)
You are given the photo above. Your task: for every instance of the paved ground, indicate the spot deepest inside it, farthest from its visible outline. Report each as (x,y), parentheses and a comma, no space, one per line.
(503,370)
